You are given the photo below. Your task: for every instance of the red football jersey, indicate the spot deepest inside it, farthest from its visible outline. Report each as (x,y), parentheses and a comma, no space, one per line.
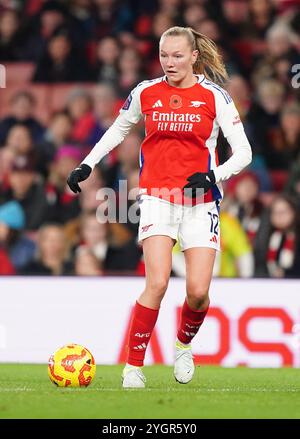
(181,131)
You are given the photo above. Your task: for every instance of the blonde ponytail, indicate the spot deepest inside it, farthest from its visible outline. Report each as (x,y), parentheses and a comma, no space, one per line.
(209,61)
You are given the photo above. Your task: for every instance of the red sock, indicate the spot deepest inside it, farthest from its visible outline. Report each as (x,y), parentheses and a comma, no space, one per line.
(142,324)
(190,323)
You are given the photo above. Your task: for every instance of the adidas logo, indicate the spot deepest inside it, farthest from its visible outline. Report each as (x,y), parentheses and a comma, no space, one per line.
(213,239)
(140,347)
(157,104)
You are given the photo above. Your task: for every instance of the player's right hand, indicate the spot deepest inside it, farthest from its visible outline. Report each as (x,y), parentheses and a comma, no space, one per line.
(77,175)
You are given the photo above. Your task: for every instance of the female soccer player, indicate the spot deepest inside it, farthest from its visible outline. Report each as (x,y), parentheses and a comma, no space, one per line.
(183,112)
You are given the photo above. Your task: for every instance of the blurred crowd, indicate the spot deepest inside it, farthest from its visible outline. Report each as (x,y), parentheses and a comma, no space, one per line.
(91,53)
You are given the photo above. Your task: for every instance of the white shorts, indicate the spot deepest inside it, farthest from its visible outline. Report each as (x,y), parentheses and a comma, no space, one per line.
(195,226)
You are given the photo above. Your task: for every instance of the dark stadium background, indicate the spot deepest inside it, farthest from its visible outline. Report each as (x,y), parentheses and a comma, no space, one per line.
(69,66)
(66,68)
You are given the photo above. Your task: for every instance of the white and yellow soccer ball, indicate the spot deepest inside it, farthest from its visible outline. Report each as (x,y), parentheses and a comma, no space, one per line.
(71,366)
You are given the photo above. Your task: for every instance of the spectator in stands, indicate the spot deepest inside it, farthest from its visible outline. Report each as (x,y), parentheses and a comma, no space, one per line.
(6,266)
(260,42)
(94,235)
(60,62)
(279,49)
(106,66)
(262,122)
(79,108)
(24,186)
(133,176)
(171,8)
(193,14)
(239,90)
(113,244)
(243,202)
(277,249)
(130,71)
(52,16)
(64,204)
(128,155)
(9,36)
(211,29)
(58,134)
(292,186)
(123,253)
(52,253)
(20,142)
(128,152)
(234,15)
(235,258)
(290,125)
(261,17)
(279,41)
(81,13)
(295,25)
(6,161)
(287,142)
(18,248)
(104,110)
(121,250)
(86,263)
(112,17)
(160,23)
(22,111)
(89,197)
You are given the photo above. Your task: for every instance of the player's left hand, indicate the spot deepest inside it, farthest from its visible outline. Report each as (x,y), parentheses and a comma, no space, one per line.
(200,180)
(79,174)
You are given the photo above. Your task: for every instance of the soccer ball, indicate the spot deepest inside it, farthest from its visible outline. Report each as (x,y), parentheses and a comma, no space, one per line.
(71,366)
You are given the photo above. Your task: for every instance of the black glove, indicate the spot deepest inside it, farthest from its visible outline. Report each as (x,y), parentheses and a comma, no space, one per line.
(200,180)
(78,174)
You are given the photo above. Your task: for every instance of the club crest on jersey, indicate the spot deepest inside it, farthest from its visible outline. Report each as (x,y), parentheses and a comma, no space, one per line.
(146,228)
(197,104)
(175,102)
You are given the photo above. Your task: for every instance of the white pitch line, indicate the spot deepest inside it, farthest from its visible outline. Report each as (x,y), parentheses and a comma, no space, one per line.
(17,389)
(185,390)
(201,390)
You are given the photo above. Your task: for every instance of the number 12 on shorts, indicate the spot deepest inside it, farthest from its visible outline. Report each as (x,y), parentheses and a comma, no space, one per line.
(214,222)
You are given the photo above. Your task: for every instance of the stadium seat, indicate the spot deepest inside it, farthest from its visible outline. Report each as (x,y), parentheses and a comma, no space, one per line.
(18,73)
(60,93)
(40,92)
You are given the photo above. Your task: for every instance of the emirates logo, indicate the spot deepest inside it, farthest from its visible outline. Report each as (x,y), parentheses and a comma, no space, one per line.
(175,102)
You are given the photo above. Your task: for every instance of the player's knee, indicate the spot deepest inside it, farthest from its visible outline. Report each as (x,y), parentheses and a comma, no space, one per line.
(158,286)
(198,294)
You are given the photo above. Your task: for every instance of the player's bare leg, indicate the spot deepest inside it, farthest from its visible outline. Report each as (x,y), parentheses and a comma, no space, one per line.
(158,262)
(199,268)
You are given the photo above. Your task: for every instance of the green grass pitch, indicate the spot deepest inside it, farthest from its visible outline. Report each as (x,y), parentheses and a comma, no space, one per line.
(215,392)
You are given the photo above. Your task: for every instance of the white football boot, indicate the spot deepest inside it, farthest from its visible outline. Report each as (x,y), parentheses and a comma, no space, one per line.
(184,367)
(133,377)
